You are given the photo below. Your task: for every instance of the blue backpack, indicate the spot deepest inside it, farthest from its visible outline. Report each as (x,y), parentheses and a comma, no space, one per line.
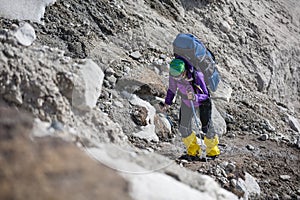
(192,50)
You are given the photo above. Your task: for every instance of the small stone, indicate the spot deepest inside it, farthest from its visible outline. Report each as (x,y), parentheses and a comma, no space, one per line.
(224,164)
(14,27)
(284,177)
(163,56)
(231,135)
(57,126)
(264,137)
(9,53)
(230,167)
(233,182)
(136,55)
(298,142)
(139,115)
(3,34)
(232,38)
(40,102)
(273,182)
(150,149)
(184,161)
(118,104)
(276,196)
(109,71)
(245,128)
(126,69)
(106,83)
(225,27)
(255,165)
(286,197)
(112,80)
(250,147)
(294,123)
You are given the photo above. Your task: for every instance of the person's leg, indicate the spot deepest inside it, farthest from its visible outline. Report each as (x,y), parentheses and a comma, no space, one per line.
(188,136)
(185,118)
(205,115)
(211,139)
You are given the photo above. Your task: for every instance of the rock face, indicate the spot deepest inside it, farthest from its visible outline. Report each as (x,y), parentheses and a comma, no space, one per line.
(65,83)
(49,168)
(24,10)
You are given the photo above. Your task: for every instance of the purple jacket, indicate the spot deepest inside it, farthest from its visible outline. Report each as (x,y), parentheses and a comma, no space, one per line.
(183,85)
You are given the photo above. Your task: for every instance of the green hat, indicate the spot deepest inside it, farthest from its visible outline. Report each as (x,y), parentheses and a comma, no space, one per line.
(176,67)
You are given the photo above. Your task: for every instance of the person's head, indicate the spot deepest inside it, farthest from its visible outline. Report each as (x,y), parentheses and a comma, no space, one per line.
(177,68)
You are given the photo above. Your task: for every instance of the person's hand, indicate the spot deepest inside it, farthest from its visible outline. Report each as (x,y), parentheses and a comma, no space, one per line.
(190,96)
(165,107)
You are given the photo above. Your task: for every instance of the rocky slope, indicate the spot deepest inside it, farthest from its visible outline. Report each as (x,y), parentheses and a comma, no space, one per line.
(59,80)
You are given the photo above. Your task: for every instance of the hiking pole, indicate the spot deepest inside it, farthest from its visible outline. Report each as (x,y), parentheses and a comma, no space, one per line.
(202,145)
(165,113)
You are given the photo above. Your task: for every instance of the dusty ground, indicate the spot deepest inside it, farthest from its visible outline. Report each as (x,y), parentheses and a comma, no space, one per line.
(264,160)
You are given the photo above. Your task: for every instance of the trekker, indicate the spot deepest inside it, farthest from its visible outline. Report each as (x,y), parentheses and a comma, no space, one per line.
(190,85)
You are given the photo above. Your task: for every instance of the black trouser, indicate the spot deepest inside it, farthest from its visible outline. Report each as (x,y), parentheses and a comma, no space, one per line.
(186,115)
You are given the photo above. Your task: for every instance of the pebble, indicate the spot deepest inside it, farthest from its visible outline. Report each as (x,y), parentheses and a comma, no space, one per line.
(286,197)
(40,102)
(250,147)
(230,167)
(56,125)
(118,104)
(231,135)
(9,53)
(225,27)
(224,164)
(284,177)
(276,196)
(233,182)
(112,79)
(136,55)
(184,161)
(2,37)
(264,137)
(109,71)
(127,69)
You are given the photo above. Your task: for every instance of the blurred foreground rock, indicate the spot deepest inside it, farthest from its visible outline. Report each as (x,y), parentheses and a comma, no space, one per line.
(49,168)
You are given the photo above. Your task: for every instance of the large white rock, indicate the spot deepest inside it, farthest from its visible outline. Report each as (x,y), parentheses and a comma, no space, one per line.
(218,125)
(294,123)
(162,187)
(87,85)
(249,186)
(223,92)
(147,132)
(152,176)
(32,10)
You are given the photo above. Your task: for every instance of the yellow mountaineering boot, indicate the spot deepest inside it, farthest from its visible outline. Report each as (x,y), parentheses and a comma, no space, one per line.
(193,149)
(212,148)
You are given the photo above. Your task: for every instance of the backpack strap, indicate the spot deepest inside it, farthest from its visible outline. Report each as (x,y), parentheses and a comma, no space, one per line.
(194,85)
(212,54)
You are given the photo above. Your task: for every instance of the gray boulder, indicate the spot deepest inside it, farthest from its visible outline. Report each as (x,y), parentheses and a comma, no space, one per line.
(87,86)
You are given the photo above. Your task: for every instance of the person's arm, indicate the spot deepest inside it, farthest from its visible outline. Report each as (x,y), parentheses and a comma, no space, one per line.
(202,92)
(171,91)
